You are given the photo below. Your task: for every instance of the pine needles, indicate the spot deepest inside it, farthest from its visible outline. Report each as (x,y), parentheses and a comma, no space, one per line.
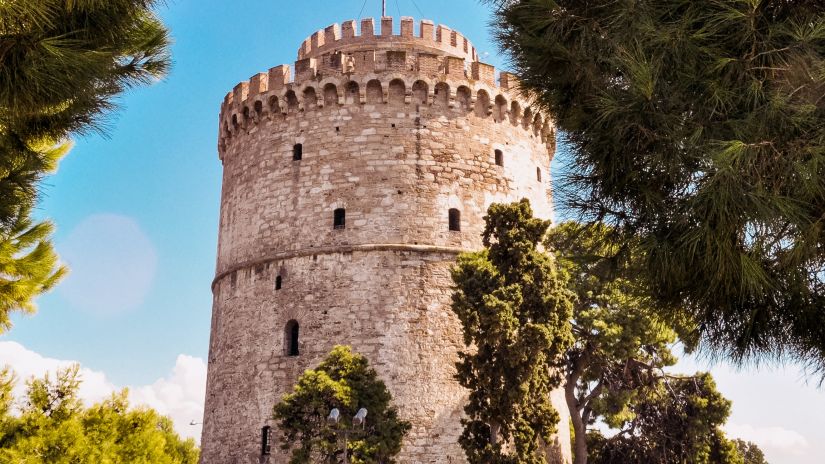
(697,129)
(62,64)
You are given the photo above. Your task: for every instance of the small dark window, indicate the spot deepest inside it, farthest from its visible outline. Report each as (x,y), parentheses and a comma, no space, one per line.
(538,174)
(292,330)
(297,152)
(278,283)
(266,440)
(339,219)
(499,158)
(455,219)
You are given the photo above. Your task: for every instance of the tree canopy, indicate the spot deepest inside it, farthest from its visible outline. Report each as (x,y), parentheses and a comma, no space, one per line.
(62,63)
(621,344)
(53,427)
(344,381)
(676,420)
(751,454)
(697,130)
(515,311)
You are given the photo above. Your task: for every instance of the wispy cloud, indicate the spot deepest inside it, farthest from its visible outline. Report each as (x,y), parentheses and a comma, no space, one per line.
(179,395)
(771,439)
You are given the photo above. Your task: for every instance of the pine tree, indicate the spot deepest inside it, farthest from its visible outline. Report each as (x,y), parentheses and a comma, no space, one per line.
(696,128)
(28,266)
(61,65)
(344,381)
(515,314)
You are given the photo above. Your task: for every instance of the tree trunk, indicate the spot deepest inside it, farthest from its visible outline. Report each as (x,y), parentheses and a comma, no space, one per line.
(579,428)
(494,429)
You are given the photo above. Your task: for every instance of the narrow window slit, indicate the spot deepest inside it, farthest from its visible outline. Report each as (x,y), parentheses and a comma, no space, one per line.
(292,332)
(455,219)
(339,219)
(266,440)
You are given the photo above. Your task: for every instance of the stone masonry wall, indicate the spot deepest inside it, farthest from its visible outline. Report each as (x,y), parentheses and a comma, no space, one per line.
(396,146)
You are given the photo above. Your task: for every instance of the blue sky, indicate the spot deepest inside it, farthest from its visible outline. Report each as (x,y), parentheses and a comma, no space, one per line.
(136,214)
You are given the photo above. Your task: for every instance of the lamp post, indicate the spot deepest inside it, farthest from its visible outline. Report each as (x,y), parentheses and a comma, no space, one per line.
(360,419)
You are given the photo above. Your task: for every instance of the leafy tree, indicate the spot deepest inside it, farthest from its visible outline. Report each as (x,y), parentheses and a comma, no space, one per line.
(61,65)
(515,311)
(697,129)
(675,421)
(751,454)
(621,345)
(345,381)
(54,427)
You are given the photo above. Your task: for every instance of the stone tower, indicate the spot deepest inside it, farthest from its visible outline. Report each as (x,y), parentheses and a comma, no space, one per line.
(348,191)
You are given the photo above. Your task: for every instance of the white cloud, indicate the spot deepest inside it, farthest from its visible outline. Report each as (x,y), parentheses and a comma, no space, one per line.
(27,364)
(180,395)
(96,250)
(770,439)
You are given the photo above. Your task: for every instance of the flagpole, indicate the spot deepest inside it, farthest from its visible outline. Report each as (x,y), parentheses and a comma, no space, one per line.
(383,8)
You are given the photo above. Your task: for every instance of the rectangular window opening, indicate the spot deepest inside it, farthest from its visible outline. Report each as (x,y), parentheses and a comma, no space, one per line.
(266,440)
(339,219)
(455,220)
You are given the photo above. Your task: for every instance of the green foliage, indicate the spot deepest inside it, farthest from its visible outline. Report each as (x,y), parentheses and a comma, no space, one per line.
(515,311)
(697,129)
(345,381)
(751,454)
(675,421)
(28,266)
(53,427)
(621,344)
(61,65)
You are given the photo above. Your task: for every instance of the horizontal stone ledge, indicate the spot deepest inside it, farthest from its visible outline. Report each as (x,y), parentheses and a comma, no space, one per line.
(329,250)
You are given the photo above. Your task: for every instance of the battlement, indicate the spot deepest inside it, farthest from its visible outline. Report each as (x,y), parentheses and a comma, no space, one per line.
(338,67)
(369,62)
(345,37)
(435,54)
(335,78)
(458,95)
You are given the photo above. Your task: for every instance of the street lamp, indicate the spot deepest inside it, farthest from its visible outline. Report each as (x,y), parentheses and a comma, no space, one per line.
(360,419)
(333,416)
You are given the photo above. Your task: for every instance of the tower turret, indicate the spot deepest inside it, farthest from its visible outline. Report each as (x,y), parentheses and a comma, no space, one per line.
(349,188)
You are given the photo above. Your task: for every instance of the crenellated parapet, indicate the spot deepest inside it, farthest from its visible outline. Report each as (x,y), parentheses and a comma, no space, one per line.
(340,68)
(251,103)
(425,35)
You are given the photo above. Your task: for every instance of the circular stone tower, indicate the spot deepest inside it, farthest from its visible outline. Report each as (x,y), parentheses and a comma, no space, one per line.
(348,191)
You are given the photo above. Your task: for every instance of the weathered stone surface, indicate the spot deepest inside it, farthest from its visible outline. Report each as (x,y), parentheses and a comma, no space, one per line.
(387,135)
